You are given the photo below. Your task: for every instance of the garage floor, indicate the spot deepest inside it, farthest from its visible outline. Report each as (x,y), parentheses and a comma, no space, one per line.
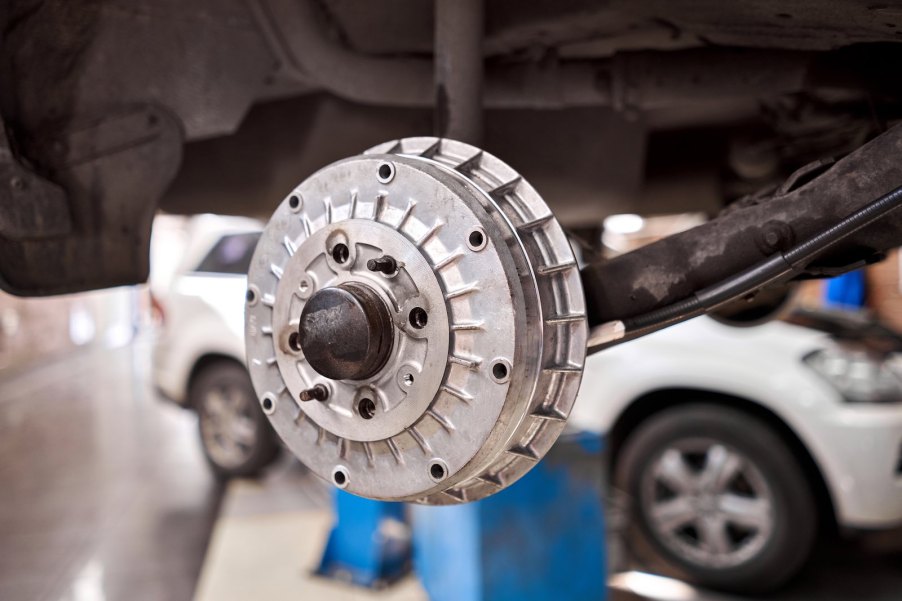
(105,496)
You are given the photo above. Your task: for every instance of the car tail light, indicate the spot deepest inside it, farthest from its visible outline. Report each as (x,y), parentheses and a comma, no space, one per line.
(157,310)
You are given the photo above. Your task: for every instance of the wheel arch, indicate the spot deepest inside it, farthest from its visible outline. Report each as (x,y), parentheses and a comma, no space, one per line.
(202,363)
(653,402)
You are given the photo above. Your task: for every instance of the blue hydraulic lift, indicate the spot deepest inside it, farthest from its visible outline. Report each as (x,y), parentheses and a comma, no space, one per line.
(542,538)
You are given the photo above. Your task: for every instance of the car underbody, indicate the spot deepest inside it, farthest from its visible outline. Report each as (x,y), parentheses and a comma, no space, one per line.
(113,110)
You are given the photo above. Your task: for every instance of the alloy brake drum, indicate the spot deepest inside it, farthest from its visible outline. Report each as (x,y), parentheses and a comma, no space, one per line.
(415,323)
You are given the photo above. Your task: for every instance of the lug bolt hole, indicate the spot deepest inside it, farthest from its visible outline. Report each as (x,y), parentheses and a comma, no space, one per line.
(340,476)
(294,342)
(408,379)
(418,318)
(476,240)
(366,408)
(340,253)
(267,404)
(501,371)
(250,295)
(294,202)
(438,470)
(385,173)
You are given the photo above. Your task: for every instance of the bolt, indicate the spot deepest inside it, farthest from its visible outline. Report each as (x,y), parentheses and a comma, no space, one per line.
(386,265)
(317,393)
(772,238)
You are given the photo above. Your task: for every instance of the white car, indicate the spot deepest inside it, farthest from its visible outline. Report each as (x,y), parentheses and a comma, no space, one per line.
(199,358)
(732,445)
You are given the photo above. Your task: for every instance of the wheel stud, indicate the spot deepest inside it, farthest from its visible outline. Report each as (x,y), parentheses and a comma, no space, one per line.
(317,393)
(385,264)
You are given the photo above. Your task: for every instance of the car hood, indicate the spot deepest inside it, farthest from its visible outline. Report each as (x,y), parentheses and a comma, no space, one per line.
(846,326)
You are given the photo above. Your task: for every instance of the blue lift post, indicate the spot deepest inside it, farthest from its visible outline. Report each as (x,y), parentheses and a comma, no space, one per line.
(369,544)
(542,538)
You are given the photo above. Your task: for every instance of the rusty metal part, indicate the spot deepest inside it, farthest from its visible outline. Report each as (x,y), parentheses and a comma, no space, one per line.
(459,71)
(320,392)
(74,70)
(95,234)
(674,268)
(346,332)
(33,206)
(635,80)
(384,264)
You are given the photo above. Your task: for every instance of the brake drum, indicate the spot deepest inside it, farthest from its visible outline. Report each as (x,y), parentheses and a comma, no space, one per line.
(415,323)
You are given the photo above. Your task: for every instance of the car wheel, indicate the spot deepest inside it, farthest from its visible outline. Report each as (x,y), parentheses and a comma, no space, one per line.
(237,439)
(717,499)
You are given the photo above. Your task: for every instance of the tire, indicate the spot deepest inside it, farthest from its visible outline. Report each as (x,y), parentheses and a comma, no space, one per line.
(237,439)
(717,499)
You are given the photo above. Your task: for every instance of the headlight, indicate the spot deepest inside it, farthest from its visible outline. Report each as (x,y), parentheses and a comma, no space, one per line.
(859,375)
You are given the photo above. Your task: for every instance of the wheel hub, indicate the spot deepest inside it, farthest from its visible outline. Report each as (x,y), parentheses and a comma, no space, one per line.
(346,332)
(415,323)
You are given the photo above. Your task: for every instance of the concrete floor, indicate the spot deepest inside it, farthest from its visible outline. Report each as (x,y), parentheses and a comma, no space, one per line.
(278,527)
(104,495)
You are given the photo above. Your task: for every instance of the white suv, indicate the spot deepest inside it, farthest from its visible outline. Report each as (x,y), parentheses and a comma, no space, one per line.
(731,445)
(198,357)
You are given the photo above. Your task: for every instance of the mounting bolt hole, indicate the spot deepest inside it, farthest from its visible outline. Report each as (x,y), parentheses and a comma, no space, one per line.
(476,240)
(294,342)
(366,408)
(438,470)
(340,476)
(251,296)
(418,318)
(408,379)
(294,202)
(385,173)
(268,404)
(501,371)
(340,253)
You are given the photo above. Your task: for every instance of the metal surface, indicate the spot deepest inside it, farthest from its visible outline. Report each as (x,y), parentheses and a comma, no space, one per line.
(750,232)
(542,538)
(707,503)
(459,70)
(34,206)
(489,330)
(345,332)
(808,82)
(93,229)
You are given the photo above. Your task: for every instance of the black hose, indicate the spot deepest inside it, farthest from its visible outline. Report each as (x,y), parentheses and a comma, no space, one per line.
(777,267)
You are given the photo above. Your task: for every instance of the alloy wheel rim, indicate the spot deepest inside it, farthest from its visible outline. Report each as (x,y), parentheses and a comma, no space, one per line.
(708,503)
(227,425)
